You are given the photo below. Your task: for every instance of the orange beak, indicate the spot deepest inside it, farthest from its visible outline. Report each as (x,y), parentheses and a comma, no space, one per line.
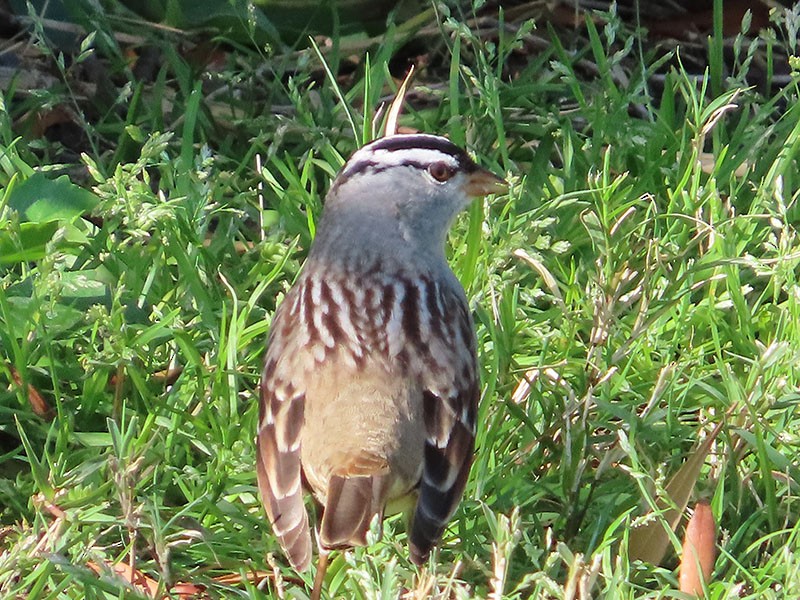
(482,183)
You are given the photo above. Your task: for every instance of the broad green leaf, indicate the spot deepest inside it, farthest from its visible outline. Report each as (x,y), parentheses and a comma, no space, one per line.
(28,245)
(42,200)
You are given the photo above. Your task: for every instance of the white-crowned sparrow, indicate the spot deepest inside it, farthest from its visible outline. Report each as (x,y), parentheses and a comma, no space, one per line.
(370,386)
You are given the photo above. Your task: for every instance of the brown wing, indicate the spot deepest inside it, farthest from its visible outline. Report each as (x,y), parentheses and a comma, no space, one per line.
(281,414)
(449,412)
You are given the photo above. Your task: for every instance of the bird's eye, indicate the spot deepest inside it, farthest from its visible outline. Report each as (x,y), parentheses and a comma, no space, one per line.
(441,171)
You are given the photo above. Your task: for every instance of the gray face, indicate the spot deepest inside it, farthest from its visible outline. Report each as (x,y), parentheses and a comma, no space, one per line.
(409,187)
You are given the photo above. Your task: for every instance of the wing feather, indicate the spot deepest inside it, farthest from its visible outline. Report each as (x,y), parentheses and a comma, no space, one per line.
(449,413)
(281,415)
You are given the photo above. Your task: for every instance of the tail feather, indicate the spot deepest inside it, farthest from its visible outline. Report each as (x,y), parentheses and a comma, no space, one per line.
(351,504)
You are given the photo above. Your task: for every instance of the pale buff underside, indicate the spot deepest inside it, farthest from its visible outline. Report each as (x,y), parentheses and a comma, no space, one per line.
(366,422)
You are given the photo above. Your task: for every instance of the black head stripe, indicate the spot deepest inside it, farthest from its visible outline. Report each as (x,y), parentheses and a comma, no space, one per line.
(421,141)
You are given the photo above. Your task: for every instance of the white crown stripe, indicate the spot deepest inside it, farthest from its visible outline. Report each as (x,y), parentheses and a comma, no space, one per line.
(381,160)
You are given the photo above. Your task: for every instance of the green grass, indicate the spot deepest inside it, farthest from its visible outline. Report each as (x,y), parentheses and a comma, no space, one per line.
(638,285)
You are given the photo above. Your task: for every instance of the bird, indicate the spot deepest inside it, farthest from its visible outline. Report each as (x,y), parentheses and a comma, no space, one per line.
(370,387)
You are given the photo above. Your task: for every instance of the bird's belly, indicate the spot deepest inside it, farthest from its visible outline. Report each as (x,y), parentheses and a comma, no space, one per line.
(361,424)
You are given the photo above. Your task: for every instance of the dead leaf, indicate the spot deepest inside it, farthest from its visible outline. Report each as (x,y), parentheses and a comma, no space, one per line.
(168,376)
(37,401)
(699,550)
(397,104)
(147,586)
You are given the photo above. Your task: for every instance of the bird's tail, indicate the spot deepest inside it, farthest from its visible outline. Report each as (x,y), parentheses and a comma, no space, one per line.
(351,504)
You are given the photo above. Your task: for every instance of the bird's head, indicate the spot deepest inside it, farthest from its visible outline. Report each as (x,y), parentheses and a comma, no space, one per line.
(412,185)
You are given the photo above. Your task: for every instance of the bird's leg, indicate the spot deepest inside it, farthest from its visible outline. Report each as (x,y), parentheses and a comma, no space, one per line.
(322,563)
(319,578)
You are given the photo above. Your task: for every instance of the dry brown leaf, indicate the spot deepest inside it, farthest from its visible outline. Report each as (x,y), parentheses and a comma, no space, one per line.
(147,586)
(39,121)
(699,550)
(650,541)
(168,376)
(397,104)
(37,401)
